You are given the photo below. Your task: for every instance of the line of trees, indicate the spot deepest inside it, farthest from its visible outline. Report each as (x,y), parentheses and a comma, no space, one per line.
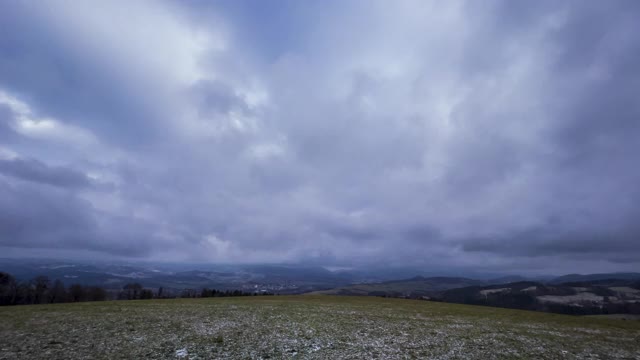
(135,291)
(219,293)
(41,290)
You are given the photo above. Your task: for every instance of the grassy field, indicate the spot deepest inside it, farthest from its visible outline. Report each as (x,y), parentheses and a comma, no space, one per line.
(314,327)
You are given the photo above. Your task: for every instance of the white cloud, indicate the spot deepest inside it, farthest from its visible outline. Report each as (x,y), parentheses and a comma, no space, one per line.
(43,128)
(145,38)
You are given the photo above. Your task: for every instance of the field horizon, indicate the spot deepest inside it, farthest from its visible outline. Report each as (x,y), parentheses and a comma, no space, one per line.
(305,326)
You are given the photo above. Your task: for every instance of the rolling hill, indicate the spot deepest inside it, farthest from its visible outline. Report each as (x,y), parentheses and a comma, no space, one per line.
(583,298)
(595,295)
(594,277)
(310,327)
(414,287)
(284,279)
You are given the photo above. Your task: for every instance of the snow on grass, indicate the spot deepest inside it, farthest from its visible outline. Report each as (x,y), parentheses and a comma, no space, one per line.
(305,327)
(181,353)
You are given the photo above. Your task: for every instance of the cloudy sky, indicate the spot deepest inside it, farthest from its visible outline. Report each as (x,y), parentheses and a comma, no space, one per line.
(480,134)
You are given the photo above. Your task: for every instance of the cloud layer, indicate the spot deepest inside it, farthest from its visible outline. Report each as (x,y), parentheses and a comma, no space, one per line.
(494,135)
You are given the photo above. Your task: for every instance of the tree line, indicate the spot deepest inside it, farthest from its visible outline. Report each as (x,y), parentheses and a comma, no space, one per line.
(41,290)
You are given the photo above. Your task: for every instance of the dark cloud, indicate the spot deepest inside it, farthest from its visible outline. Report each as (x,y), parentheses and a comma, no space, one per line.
(34,217)
(213,98)
(549,241)
(36,171)
(496,135)
(6,116)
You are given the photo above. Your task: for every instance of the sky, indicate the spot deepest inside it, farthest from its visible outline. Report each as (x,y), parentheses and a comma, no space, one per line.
(487,135)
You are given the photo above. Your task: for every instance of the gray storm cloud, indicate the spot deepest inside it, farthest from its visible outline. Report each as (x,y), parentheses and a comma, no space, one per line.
(493,135)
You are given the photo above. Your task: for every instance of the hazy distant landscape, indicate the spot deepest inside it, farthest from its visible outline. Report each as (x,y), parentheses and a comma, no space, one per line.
(615,293)
(280,278)
(590,294)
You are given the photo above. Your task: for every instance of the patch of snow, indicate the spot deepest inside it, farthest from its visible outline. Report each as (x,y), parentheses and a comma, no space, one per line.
(583,296)
(132,275)
(182,353)
(625,290)
(492,291)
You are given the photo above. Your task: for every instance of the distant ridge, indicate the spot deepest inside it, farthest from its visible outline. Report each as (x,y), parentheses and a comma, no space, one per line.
(415,286)
(594,277)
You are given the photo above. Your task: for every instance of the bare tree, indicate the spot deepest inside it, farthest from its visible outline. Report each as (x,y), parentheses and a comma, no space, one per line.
(58,292)
(8,289)
(77,293)
(42,284)
(132,291)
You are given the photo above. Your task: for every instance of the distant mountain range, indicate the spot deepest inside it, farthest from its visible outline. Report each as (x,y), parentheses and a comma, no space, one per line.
(432,286)
(600,296)
(593,294)
(283,279)
(414,287)
(594,277)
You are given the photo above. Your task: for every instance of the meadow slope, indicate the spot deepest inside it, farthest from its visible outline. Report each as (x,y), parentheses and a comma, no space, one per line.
(313,327)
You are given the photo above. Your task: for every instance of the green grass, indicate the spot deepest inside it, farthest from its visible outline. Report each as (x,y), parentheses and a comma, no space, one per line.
(322,327)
